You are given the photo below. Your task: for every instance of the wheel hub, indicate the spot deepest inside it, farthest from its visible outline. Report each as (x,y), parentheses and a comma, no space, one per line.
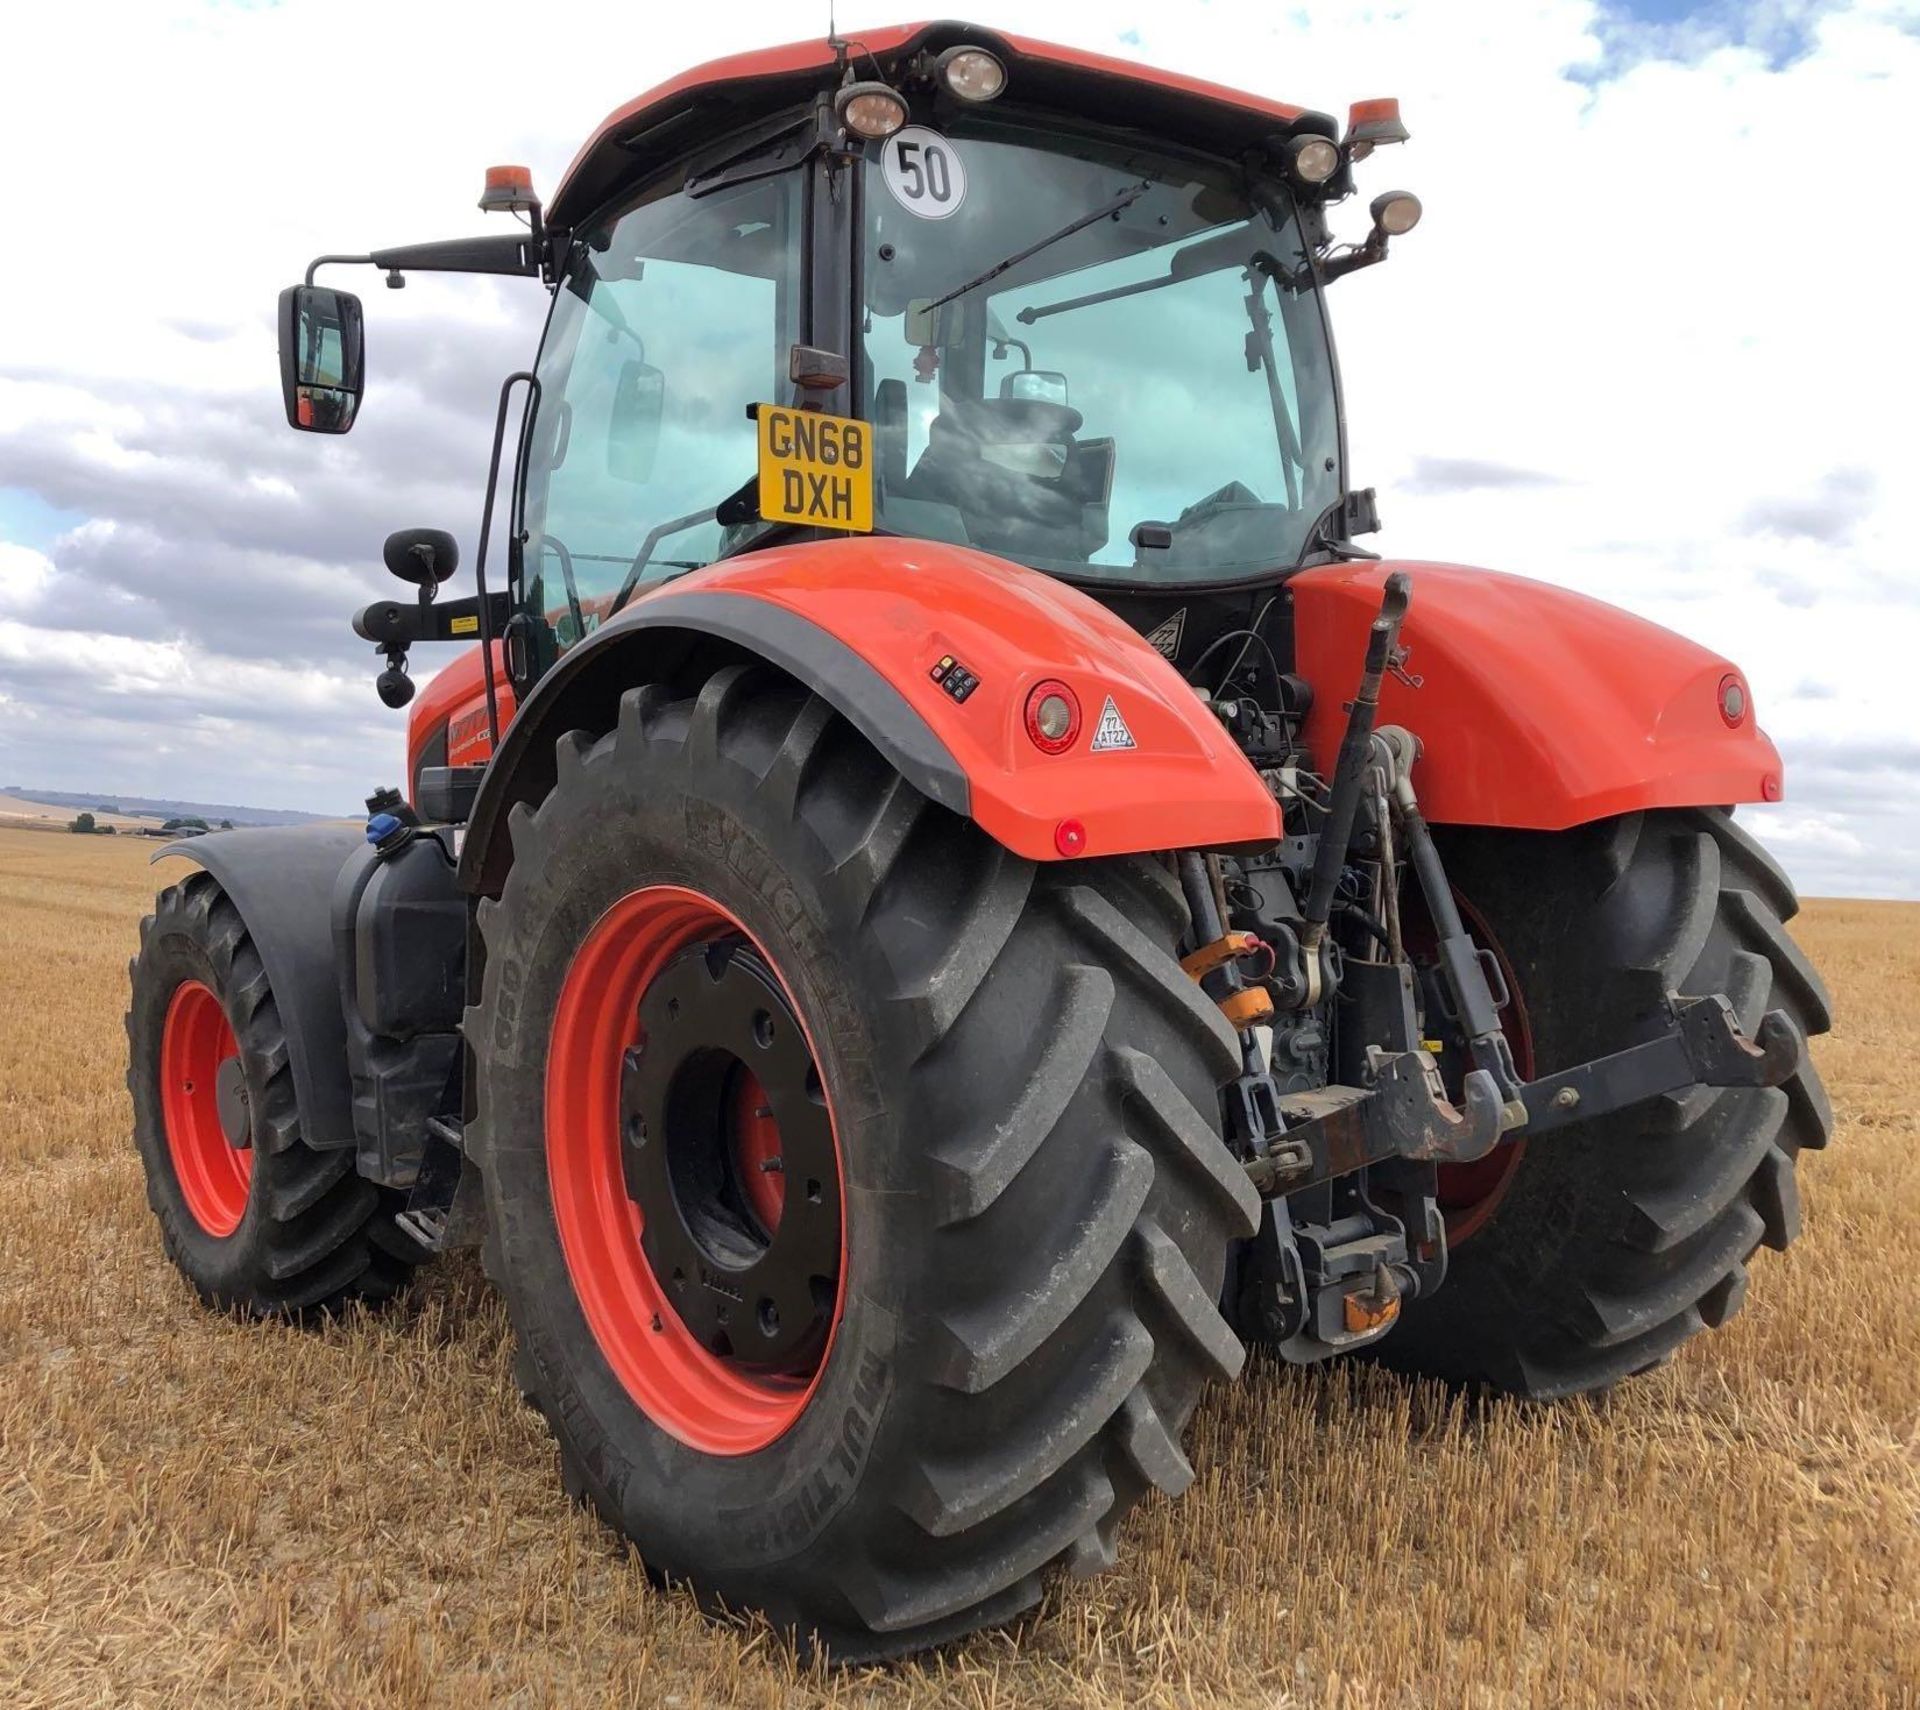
(718,1097)
(230,1098)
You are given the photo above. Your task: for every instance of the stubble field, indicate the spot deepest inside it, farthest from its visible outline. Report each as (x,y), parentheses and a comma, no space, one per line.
(195,1511)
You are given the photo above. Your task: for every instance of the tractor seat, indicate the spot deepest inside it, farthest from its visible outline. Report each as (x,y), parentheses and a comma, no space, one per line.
(1017,475)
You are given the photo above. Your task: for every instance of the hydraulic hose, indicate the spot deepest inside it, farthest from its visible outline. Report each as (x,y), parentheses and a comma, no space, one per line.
(1350,771)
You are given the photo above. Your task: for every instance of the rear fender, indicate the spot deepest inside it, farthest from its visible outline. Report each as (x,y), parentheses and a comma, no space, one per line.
(1537,708)
(863,623)
(281,880)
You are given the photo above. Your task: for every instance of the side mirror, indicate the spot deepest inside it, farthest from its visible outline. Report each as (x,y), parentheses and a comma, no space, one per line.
(1036,386)
(425,557)
(322,350)
(633,424)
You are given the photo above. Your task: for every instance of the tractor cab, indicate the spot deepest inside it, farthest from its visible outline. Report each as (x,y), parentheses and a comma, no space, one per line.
(1103,360)
(952,288)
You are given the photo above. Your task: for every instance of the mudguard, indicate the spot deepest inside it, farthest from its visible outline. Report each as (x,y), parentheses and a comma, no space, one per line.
(865,623)
(281,878)
(1537,708)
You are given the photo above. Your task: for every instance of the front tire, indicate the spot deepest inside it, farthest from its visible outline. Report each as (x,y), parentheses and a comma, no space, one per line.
(1036,1202)
(256,1219)
(1609,1244)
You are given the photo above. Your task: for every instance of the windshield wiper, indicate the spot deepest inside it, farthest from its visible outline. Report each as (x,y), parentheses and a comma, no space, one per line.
(737,507)
(1210,255)
(1125,199)
(644,556)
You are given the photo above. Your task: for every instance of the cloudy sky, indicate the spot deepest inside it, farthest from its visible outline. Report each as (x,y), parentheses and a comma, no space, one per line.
(1655,340)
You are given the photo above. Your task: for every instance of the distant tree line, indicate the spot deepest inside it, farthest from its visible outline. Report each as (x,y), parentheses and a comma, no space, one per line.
(84,824)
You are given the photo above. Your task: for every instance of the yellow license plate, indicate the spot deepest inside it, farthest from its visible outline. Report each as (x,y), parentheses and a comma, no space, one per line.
(815,469)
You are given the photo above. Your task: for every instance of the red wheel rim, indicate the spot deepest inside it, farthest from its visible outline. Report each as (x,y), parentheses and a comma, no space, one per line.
(1469,1194)
(710,1401)
(213,1172)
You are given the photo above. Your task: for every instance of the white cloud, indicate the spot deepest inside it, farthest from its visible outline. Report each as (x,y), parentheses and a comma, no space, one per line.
(24,573)
(1664,279)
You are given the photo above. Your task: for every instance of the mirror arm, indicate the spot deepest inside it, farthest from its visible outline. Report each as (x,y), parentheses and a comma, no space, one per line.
(320,261)
(400,623)
(515,255)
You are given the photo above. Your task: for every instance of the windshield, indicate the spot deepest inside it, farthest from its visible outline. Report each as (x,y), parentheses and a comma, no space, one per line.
(672,318)
(1137,385)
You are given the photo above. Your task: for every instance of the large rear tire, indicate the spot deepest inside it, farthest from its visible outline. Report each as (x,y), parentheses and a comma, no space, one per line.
(1035,1202)
(257,1220)
(1610,1243)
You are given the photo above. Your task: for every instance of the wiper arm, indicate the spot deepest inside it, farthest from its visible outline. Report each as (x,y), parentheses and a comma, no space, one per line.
(1209,255)
(1125,199)
(732,509)
(644,556)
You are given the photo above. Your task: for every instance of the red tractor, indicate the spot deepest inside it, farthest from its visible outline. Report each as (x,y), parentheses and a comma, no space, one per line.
(951,896)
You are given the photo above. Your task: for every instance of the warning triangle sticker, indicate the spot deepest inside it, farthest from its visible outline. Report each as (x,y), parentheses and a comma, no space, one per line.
(1164,638)
(1111,732)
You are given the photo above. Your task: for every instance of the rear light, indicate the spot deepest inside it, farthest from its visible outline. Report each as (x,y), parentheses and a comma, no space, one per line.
(1733,699)
(1053,717)
(971,73)
(870,110)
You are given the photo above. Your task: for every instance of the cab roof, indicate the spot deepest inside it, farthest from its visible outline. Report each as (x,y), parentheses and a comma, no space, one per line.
(721,95)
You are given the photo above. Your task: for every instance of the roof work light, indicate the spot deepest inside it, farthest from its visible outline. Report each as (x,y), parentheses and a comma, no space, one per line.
(1312,160)
(871,110)
(970,73)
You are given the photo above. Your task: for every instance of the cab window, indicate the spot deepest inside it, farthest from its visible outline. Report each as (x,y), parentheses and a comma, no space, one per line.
(670,320)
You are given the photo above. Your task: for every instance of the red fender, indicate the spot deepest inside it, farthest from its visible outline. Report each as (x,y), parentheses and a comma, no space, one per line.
(866,623)
(1537,708)
(904,605)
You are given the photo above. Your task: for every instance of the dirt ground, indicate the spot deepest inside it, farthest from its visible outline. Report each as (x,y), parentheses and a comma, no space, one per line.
(195,1511)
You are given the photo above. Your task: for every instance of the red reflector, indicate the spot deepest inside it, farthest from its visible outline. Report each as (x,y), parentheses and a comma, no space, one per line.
(1070,837)
(1770,787)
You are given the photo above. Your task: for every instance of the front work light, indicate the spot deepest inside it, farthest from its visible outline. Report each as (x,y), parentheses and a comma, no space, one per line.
(1396,213)
(870,110)
(1312,160)
(971,73)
